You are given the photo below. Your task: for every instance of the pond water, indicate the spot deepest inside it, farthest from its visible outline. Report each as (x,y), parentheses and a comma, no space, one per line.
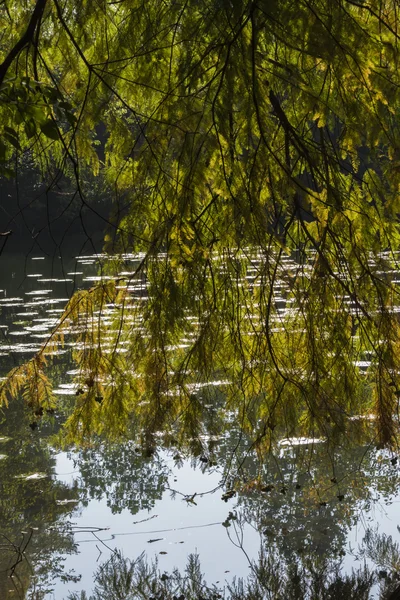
(76,508)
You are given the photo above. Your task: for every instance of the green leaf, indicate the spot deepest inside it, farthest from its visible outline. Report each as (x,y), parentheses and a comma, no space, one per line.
(65,105)
(36,113)
(50,130)
(13,140)
(71,118)
(30,128)
(11,131)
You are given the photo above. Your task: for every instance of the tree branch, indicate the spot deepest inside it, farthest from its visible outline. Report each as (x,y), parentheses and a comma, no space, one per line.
(26,39)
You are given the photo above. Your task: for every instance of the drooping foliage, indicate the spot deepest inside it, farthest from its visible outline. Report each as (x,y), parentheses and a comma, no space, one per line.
(253,150)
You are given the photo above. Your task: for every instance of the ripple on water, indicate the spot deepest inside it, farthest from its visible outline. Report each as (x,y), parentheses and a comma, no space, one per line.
(38,293)
(31,476)
(300,441)
(58,280)
(19,349)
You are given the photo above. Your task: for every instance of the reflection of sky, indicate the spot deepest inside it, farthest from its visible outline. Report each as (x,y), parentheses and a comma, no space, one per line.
(217,553)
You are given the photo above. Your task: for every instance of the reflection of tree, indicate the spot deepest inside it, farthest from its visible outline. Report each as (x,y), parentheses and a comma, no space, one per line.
(138,579)
(120,473)
(31,501)
(306,498)
(272,577)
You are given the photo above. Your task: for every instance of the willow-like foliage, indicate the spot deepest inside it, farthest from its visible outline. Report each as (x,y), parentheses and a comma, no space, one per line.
(238,134)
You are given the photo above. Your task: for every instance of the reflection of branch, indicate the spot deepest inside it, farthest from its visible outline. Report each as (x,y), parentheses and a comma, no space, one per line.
(95,530)
(19,551)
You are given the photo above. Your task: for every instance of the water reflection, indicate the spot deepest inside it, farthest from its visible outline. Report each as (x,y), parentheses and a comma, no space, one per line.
(271,577)
(32,503)
(297,504)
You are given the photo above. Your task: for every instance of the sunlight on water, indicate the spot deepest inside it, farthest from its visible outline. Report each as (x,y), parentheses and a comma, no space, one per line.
(170,505)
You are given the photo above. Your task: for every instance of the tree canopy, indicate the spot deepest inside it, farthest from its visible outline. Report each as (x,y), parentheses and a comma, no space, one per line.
(252,150)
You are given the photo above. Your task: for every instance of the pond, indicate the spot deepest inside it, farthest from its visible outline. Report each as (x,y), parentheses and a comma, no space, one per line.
(66,513)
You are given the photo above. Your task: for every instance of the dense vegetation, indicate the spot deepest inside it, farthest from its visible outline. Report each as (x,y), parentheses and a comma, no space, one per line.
(237,134)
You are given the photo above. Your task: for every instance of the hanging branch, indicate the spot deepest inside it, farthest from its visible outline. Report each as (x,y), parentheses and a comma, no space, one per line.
(25,40)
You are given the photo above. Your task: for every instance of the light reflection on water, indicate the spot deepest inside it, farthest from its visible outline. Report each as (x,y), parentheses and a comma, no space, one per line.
(183,526)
